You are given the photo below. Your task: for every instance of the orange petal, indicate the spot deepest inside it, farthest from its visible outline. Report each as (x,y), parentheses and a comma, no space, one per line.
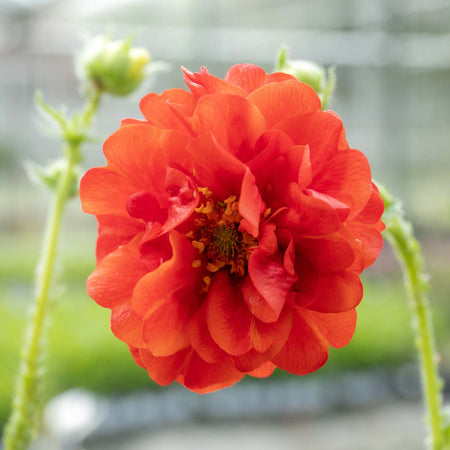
(202,377)
(234,122)
(329,254)
(142,153)
(201,339)
(263,371)
(333,293)
(336,328)
(277,101)
(271,280)
(114,231)
(163,370)
(227,316)
(304,351)
(347,178)
(369,241)
(105,192)
(319,130)
(166,297)
(250,205)
(158,110)
(113,281)
(215,167)
(247,76)
(126,325)
(203,83)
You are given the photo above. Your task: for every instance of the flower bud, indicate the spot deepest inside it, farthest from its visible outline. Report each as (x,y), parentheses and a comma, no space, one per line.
(113,66)
(321,81)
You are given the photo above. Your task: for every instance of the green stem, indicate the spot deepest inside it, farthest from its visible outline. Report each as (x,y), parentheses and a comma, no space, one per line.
(91,108)
(400,235)
(26,408)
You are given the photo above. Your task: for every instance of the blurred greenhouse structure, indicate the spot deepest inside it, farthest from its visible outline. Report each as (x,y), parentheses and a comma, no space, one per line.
(393,94)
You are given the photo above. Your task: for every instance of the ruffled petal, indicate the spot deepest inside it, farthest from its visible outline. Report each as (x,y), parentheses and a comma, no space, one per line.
(169,110)
(204,83)
(202,377)
(163,370)
(347,178)
(127,326)
(337,292)
(336,328)
(307,215)
(215,168)
(135,354)
(201,339)
(113,281)
(271,280)
(250,205)
(369,242)
(114,231)
(252,360)
(234,122)
(319,130)
(263,371)
(329,254)
(227,316)
(277,101)
(142,153)
(165,298)
(304,351)
(105,192)
(374,208)
(250,77)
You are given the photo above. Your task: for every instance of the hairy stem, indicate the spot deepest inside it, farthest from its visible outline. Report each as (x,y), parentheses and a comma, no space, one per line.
(27,407)
(400,235)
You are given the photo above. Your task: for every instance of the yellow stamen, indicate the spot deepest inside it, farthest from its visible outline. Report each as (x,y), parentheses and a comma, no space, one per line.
(196,263)
(212,267)
(230,199)
(200,208)
(200,246)
(190,234)
(205,191)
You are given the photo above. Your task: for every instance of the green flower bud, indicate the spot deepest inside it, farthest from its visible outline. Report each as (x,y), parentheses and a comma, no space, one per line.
(322,81)
(113,66)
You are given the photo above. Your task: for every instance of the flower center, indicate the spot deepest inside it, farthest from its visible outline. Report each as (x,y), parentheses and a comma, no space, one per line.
(216,236)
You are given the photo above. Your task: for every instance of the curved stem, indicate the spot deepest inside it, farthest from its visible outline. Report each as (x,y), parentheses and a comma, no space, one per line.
(92,107)
(26,408)
(400,235)
(18,433)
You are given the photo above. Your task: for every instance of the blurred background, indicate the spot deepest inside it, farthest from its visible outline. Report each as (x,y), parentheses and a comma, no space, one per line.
(393,69)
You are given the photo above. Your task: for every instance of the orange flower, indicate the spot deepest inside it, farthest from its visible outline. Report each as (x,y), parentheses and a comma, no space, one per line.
(234,222)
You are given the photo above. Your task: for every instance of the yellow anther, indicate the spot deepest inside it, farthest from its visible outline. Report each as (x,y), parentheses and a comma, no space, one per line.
(200,246)
(207,280)
(267,212)
(212,267)
(200,208)
(196,263)
(209,208)
(205,191)
(230,199)
(205,209)
(190,234)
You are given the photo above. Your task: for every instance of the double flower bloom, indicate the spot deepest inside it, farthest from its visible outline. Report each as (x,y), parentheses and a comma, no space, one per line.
(234,222)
